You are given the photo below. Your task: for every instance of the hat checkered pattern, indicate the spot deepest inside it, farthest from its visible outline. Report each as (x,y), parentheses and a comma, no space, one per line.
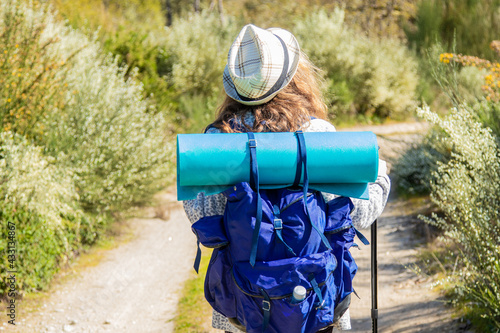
(260,64)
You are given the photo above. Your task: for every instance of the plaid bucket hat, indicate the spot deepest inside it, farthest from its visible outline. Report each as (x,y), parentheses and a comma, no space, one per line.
(260,64)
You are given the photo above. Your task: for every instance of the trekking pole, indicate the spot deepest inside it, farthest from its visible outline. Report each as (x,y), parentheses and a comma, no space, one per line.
(374,277)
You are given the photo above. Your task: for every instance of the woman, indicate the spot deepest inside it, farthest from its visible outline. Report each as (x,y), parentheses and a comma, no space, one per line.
(271,86)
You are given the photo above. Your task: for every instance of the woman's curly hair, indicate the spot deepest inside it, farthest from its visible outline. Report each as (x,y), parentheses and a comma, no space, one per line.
(288,111)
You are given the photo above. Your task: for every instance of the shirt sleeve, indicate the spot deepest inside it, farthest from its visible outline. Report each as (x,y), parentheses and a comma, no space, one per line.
(205,205)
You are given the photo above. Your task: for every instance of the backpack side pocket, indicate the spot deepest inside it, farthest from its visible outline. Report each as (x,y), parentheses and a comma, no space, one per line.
(210,231)
(340,233)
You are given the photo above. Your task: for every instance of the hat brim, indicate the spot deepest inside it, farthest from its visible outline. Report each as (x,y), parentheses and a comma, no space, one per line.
(294,55)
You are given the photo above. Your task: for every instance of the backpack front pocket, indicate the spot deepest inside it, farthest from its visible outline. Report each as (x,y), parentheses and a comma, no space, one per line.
(267,289)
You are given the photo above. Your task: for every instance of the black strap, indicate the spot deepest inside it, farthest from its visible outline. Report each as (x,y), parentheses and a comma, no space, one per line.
(266,309)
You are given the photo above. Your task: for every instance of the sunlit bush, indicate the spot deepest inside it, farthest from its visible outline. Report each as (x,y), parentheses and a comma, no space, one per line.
(78,141)
(193,53)
(366,77)
(195,49)
(31,75)
(38,197)
(88,116)
(467,191)
(34,181)
(118,150)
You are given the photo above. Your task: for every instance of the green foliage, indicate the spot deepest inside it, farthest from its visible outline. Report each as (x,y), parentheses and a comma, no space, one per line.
(472,25)
(41,248)
(414,171)
(30,74)
(111,15)
(193,54)
(489,115)
(99,127)
(34,181)
(367,77)
(195,49)
(467,191)
(117,149)
(77,140)
(38,197)
(37,248)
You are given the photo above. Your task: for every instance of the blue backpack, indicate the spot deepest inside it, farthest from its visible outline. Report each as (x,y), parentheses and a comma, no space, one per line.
(270,241)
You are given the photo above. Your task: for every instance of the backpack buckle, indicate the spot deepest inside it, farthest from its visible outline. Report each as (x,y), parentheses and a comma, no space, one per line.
(266,305)
(252,143)
(278,224)
(321,305)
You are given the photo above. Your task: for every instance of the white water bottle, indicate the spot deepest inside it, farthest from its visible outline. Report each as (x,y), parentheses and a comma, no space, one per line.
(299,294)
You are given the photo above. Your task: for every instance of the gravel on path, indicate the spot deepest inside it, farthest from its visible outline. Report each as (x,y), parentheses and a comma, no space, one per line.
(135,288)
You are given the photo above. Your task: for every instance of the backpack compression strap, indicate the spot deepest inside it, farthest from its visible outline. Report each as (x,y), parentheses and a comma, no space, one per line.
(303,158)
(254,183)
(278,227)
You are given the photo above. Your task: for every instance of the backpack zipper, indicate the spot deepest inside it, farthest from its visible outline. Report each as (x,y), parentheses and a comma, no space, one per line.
(282,296)
(294,201)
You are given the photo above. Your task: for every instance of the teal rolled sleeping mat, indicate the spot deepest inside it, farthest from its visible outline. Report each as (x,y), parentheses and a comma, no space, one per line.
(341,163)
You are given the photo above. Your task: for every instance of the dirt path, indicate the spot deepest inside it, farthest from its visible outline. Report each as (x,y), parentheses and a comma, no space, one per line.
(135,288)
(406,302)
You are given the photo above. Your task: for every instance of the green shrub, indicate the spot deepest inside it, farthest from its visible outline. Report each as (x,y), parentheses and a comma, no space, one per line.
(77,140)
(196,49)
(471,25)
(467,191)
(31,75)
(38,196)
(414,171)
(489,115)
(38,248)
(118,150)
(193,53)
(367,77)
(99,127)
(34,181)
(42,248)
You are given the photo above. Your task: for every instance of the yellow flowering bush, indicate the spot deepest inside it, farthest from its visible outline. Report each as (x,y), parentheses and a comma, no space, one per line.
(491,86)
